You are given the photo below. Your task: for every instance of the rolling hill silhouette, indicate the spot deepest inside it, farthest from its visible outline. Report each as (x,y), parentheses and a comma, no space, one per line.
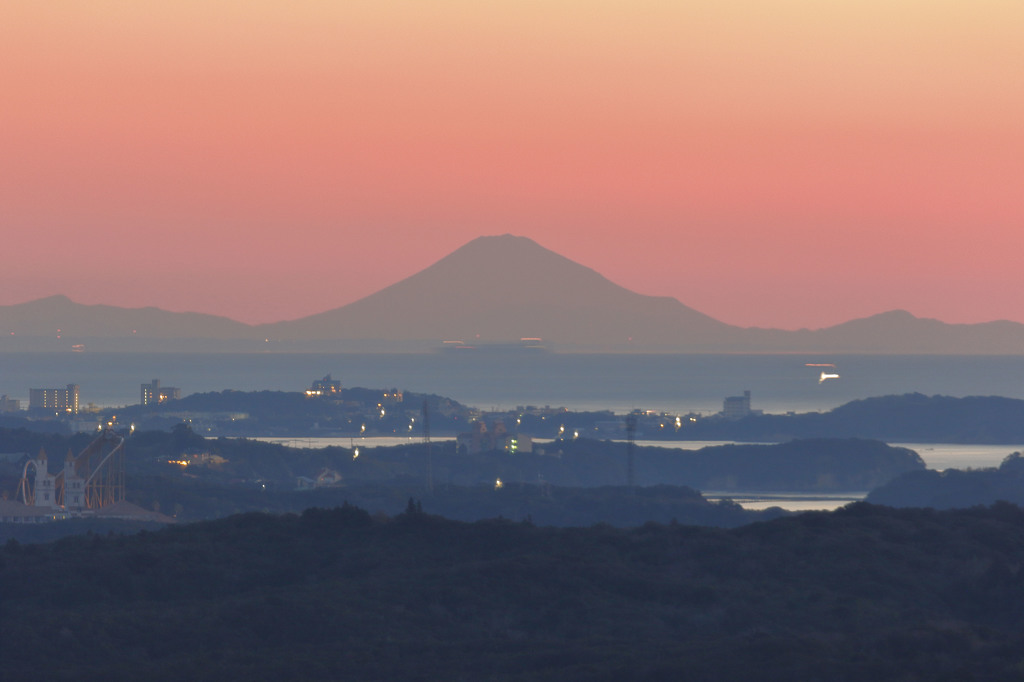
(59,315)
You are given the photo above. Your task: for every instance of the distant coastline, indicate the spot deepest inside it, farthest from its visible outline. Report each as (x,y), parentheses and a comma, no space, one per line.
(677,383)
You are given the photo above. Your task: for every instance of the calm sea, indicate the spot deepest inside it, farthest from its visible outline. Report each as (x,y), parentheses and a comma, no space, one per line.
(492,379)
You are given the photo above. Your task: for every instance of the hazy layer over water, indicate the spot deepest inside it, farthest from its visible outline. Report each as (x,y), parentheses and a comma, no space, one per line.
(937,456)
(491,379)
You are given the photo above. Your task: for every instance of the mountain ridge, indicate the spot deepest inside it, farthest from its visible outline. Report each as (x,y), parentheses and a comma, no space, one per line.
(498,290)
(501,289)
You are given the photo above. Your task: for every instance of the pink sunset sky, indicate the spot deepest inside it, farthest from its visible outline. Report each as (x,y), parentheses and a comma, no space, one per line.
(785,163)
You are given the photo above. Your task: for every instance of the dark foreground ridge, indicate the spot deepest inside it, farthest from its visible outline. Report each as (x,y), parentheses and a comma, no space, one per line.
(865,593)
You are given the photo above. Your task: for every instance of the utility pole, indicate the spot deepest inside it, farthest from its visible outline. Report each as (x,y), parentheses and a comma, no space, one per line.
(630,435)
(426,441)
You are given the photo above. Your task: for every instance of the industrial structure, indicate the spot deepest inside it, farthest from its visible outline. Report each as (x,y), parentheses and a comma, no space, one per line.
(92,480)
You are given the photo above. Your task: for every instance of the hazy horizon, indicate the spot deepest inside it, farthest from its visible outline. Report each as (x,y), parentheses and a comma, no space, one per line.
(425,268)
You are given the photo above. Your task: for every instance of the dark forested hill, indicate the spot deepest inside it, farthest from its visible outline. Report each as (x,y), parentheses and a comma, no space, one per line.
(865,593)
(352,412)
(818,465)
(954,488)
(909,418)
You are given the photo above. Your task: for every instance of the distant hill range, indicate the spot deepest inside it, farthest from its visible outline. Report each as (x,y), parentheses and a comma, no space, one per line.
(494,291)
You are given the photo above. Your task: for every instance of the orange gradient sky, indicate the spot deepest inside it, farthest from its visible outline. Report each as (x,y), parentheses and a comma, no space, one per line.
(782,163)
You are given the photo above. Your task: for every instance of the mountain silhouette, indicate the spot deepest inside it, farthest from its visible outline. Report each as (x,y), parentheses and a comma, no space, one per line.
(494,290)
(58,315)
(503,288)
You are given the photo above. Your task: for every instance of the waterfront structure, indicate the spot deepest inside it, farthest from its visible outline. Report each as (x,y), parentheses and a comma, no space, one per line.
(73,490)
(93,479)
(153,393)
(54,399)
(91,484)
(735,407)
(46,491)
(9,404)
(42,491)
(16,512)
(738,406)
(325,386)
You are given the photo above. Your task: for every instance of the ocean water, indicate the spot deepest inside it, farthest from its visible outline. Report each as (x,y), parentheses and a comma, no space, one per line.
(788,501)
(676,384)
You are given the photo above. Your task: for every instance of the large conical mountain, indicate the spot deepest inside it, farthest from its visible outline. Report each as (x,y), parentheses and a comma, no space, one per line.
(503,288)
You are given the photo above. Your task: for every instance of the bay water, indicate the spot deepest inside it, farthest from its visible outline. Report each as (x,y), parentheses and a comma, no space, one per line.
(676,384)
(493,380)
